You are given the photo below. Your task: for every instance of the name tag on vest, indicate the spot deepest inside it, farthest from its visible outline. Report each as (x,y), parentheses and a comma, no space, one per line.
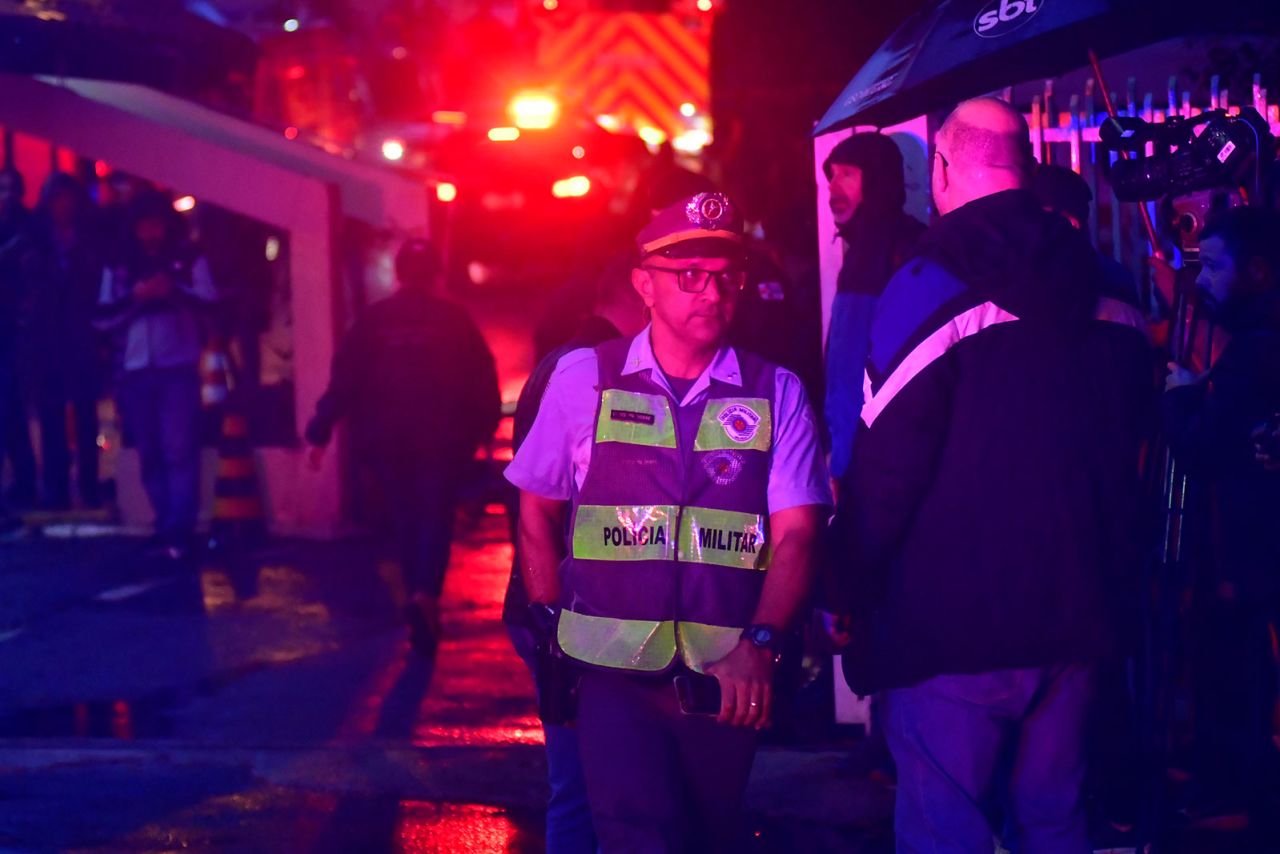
(635,419)
(631,417)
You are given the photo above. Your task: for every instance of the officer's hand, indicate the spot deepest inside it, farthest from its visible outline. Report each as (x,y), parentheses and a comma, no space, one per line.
(746,686)
(315,457)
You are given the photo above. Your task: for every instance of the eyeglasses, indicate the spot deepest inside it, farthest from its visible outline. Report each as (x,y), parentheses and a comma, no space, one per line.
(693,280)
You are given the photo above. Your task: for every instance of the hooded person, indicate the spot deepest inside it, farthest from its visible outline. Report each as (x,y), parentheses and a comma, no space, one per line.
(867,192)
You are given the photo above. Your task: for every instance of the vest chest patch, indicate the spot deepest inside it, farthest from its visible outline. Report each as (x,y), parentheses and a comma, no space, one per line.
(723,467)
(604,532)
(633,418)
(737,424)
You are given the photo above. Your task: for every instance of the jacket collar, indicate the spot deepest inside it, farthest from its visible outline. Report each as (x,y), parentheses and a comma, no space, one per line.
(723,368)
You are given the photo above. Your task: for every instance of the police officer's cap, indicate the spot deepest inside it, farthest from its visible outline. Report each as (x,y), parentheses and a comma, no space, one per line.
(706,225)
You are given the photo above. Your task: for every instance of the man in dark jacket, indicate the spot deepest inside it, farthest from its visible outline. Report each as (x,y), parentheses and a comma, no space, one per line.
(15,252)
(990,517)
(1209,419)
(62,343)
(865,174)
(16,261)
(418,382)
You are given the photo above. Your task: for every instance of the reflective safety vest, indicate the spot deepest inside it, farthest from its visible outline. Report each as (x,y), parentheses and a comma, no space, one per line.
(668,542)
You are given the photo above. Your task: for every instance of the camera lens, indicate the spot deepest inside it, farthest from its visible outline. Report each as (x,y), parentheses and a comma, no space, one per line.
(1139,180)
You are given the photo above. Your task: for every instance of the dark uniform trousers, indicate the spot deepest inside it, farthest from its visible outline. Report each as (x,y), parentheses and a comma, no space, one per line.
(659,780)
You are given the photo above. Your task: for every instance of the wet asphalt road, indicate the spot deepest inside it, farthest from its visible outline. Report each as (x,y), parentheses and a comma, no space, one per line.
(272,703)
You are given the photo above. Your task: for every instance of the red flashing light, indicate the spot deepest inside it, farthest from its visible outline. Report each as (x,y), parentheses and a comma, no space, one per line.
(449,117)
(504,134)
(290,133)
(101,169)
(534,110)
(446,192)
(571,188)
(393,149)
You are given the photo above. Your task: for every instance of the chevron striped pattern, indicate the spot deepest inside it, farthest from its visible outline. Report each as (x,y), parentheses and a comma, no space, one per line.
(639,68)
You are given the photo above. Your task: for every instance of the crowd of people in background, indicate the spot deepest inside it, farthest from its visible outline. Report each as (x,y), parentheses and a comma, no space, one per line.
(95,298)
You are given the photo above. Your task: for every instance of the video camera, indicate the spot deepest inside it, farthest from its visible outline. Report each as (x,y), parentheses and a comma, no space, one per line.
(1210,151)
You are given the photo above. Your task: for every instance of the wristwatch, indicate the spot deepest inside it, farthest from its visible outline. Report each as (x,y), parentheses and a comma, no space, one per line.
(765,637)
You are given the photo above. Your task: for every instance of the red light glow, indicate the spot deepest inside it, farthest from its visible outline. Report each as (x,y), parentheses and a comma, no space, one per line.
(504,134)
(534,110)
(290,133)
(446,192)
(571,188)
(426,826)
(449,117)
(393,149)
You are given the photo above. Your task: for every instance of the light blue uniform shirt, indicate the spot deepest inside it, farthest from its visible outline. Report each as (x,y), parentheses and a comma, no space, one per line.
(555,455)
(167,335)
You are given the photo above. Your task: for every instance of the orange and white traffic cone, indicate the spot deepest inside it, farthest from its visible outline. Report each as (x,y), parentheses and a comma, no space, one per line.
(238,518)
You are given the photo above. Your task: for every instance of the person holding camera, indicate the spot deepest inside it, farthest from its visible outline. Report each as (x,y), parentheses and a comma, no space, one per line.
(1216,422)
(989,524)
(153,298)
(689,478)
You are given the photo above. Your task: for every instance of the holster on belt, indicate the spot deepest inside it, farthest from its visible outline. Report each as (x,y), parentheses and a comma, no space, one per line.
(557,679)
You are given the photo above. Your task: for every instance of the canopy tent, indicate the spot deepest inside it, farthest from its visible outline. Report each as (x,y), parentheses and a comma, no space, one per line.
(255,172)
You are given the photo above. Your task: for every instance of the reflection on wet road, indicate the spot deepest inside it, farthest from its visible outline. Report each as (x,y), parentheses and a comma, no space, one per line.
(262,693)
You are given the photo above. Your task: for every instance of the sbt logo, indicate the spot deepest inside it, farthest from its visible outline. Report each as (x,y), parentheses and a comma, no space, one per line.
(1004,16)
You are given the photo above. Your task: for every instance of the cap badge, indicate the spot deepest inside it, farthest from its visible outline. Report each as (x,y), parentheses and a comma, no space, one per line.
(708,210)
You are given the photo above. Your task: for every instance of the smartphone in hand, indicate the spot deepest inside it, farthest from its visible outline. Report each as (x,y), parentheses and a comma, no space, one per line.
(698,693)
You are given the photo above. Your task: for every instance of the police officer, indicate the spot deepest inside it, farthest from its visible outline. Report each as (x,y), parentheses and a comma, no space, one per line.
(690,480)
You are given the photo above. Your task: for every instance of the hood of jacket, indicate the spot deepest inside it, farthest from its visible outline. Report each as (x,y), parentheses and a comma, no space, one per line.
(1009,250)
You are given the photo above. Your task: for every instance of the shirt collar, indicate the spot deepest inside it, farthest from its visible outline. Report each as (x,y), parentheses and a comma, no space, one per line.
(724,367)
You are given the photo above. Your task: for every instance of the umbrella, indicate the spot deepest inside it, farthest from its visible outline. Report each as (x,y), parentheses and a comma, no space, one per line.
(956,49)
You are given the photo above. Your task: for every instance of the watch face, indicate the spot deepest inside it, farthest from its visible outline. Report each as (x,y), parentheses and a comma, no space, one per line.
(760,635)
